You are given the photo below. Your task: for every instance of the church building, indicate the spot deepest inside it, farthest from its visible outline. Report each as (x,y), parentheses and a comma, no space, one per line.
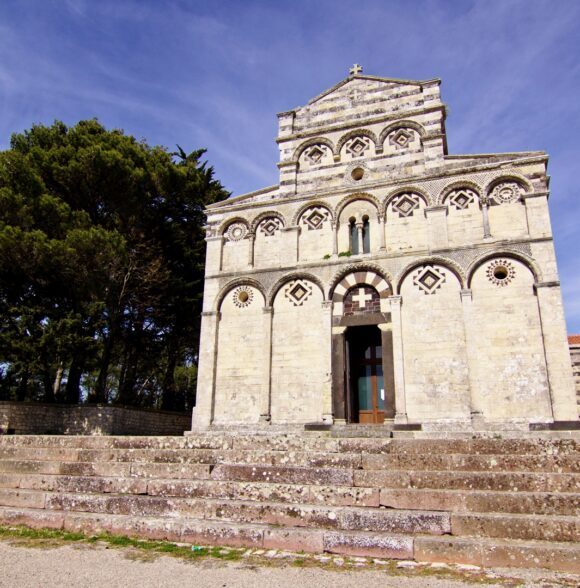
(384,280)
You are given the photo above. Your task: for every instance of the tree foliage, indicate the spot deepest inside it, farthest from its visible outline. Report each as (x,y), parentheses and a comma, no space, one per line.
(101,267)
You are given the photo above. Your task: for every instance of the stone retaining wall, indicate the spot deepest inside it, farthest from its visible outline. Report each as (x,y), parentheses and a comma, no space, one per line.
(29,418)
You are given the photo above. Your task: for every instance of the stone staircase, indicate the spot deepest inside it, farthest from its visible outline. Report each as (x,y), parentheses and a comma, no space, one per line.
(482,501)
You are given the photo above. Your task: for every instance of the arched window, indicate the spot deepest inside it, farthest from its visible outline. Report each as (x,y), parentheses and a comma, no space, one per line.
(366,230)
(353,231)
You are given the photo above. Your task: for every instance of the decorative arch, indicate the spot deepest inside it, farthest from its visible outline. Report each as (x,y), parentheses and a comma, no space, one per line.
(355,133)
(403,189)
(402,124)
(352,198)
(506,253)
(451,265)
(511,177)
(234,284)
(440,199)
(309,143)
(304,207)
(230,221)
(354,275)
(263,215)
(288,278)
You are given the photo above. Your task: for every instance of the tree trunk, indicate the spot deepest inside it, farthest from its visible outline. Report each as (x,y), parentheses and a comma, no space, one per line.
(73,381)
(57,380)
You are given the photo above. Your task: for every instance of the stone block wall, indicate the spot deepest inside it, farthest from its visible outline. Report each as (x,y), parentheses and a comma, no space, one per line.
(574,341)
(30,418)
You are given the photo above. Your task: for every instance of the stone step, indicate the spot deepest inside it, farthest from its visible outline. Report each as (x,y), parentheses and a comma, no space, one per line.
(545,503)
(533,446)
(462,462)
(468,481)
(390,461)
(270,513)
(484,552)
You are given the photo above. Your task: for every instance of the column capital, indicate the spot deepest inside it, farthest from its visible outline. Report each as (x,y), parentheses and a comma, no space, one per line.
(396,300)
(211,313)
(466,294)
(268,309)
(327,304)
(553,284)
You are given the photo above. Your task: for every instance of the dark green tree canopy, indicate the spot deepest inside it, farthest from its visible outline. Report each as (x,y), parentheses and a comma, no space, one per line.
(101,267)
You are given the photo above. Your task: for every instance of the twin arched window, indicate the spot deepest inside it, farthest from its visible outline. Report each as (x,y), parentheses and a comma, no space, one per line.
(360,236)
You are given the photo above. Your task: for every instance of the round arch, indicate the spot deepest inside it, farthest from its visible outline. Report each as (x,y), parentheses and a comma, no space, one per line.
(263,215)
(236,219)
(402,124)
(449,264)
(309,143)
(225,290)
(405,189)
(304,207)
(288,278)
(511,177)
(527,261)
(353,198)
(355,133)
(474,187)
(353,275)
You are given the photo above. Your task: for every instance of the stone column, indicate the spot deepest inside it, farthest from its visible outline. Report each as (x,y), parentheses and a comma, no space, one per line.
(485,215)
(557,352)
(334,226)
(475,405)
(266,397)
(388,368)
(437,223)
(383,244)
(339,374)
(206,375)
(327,412)
(398,363)
(359,232)
(251,241)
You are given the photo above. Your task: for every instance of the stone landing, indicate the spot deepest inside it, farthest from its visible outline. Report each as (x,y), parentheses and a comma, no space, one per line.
(482,501)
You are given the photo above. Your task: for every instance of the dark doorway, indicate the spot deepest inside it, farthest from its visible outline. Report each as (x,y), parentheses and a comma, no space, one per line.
(366,385)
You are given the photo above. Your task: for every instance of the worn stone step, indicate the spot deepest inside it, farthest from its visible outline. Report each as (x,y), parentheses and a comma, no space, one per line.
(516,526)
(483,446)
(479,551)
(461,462)
(273,513)
(203,532)
(546,503)
(283,475)
(500,481)
(112,469)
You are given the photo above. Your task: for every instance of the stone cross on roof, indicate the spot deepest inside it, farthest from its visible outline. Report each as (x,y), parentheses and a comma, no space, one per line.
(355,69)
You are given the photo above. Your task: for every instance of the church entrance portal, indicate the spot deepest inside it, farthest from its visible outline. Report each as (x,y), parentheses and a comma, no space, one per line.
(366,385)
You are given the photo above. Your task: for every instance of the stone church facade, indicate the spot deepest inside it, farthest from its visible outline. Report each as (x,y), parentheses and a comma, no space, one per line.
(384,280)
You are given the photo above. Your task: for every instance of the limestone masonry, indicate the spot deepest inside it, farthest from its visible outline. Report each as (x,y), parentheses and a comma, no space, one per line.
(384,280)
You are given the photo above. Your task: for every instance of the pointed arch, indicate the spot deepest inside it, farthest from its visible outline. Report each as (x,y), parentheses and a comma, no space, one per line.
(451,265)
(505,253)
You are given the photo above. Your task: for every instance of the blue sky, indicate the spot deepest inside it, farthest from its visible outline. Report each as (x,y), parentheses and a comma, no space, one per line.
(214,74)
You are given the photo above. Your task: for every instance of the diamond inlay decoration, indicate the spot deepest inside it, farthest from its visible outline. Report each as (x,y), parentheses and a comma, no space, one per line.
(315,153)
(429,279)
(357,146)
(461,199)
(269,226)
(236,232)
(401,138)
(405,204)
(298,291)
(506,192)
(314,218)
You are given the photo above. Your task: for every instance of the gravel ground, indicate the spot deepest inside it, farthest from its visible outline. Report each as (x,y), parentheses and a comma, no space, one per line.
(87,566)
